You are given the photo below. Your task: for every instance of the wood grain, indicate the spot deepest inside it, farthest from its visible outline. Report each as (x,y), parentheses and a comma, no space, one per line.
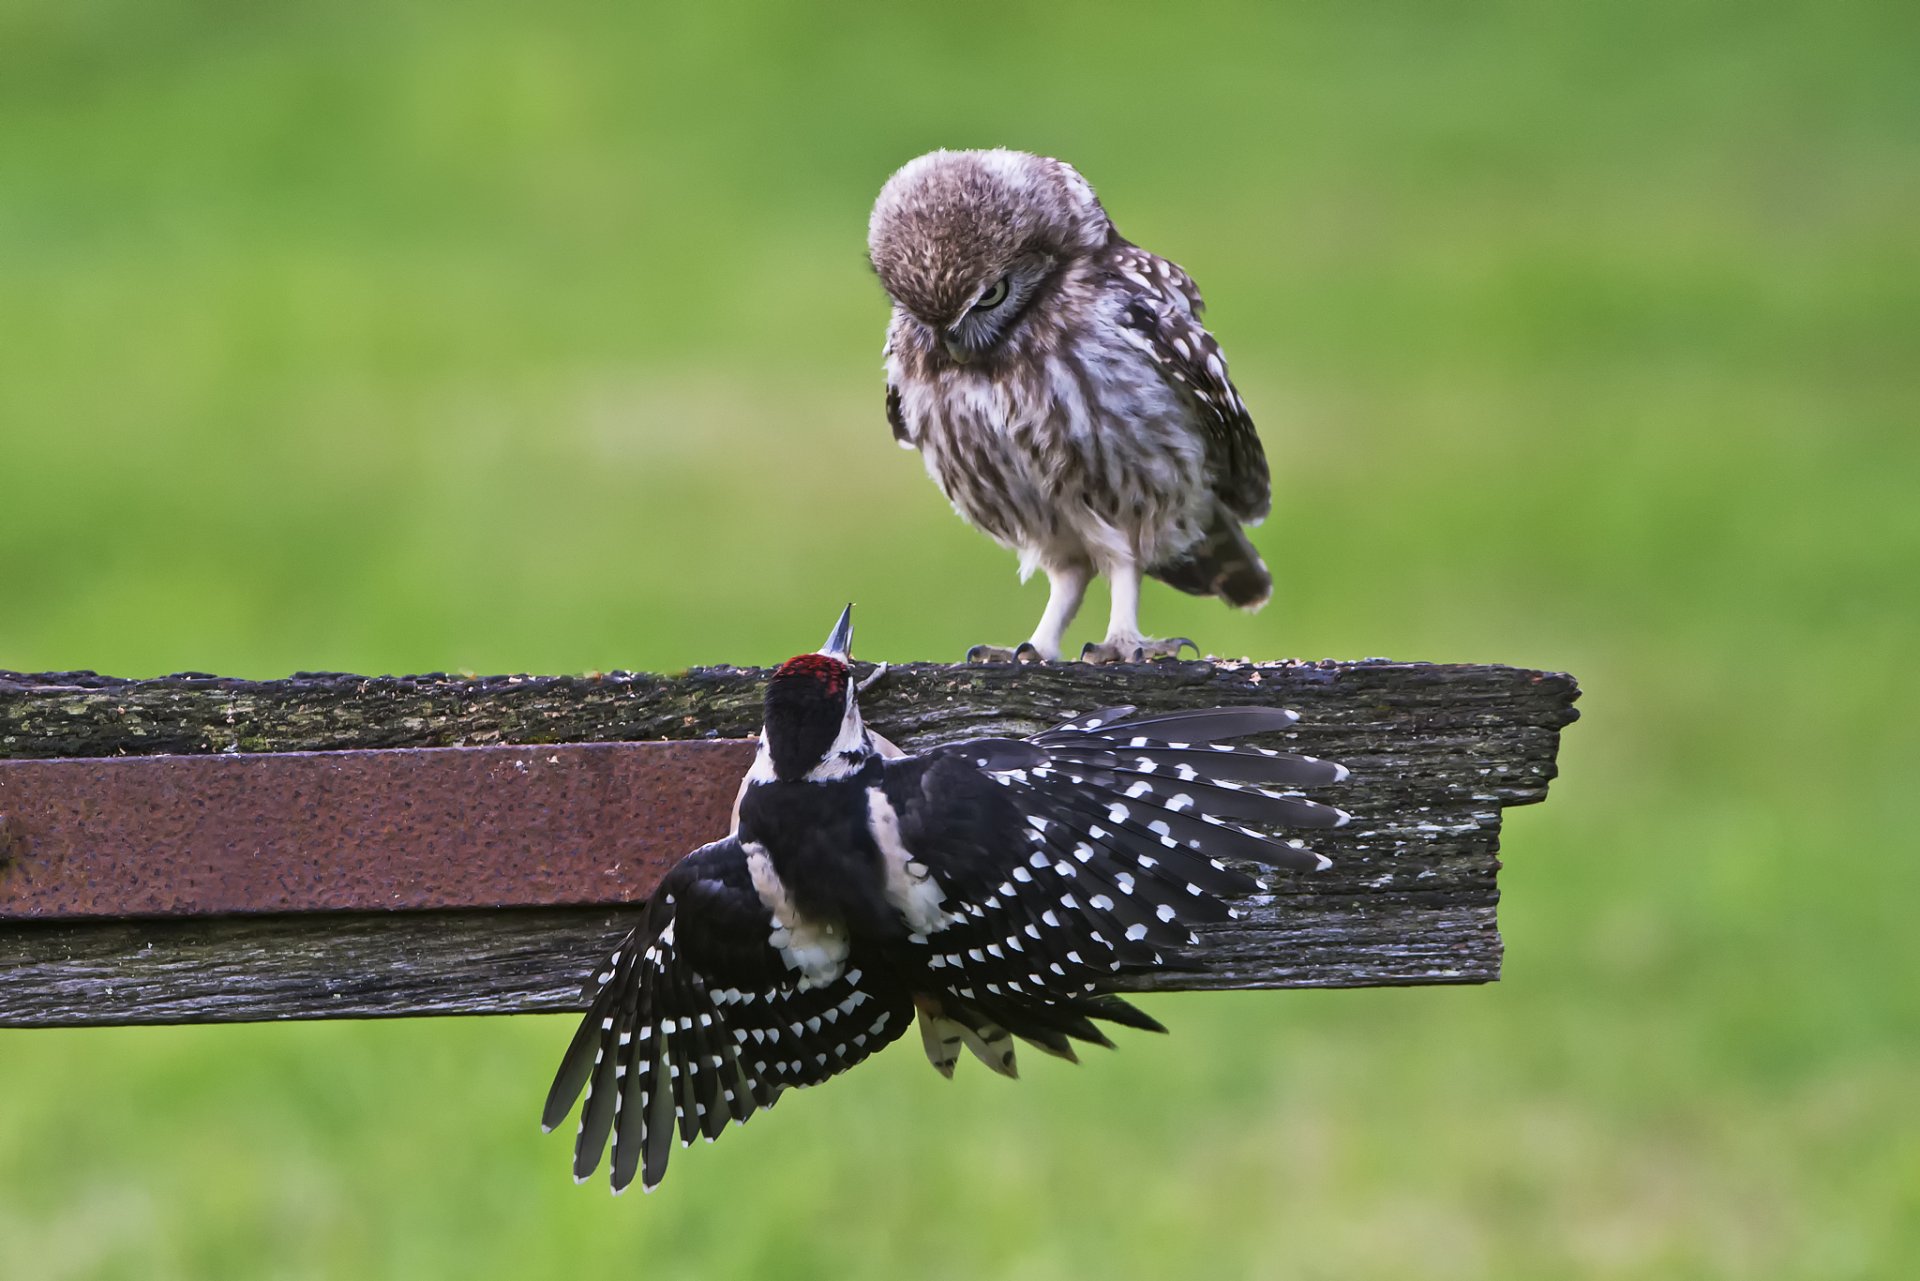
(1436,753)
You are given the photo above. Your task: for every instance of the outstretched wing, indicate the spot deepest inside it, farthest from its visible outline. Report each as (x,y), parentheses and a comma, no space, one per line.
(1162,316)
(1093,849)
(698,1021)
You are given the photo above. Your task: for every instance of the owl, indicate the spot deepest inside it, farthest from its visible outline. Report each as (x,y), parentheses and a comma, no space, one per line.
(1063,394)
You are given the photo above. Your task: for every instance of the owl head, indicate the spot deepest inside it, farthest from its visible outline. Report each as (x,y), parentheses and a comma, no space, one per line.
(965,240)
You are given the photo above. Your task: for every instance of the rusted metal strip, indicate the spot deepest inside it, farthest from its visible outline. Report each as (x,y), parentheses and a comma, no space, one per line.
(452,827)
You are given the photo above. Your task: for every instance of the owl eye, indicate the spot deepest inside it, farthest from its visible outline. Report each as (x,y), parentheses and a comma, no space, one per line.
(993,297)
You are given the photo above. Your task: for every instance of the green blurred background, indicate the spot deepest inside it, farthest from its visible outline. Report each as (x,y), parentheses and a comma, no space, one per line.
(401,337)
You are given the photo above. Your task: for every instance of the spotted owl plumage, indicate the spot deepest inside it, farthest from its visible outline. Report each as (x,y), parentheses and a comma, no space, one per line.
(1062,391)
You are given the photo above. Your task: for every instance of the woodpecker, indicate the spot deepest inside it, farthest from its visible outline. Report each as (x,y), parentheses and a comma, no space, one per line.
(987,890)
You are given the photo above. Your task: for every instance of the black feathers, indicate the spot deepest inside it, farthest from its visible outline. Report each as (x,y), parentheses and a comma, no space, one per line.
(990,889)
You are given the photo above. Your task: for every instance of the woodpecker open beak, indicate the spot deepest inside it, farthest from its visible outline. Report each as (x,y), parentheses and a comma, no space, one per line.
(840,641)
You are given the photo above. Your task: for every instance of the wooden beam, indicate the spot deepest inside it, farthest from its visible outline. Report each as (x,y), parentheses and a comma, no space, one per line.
(1436,753)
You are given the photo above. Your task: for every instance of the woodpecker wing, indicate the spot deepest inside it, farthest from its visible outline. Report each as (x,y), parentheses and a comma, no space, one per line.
(698,1021)
(1093,849)
(1162,316)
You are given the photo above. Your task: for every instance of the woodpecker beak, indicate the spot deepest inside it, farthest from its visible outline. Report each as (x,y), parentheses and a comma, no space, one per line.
(840,641)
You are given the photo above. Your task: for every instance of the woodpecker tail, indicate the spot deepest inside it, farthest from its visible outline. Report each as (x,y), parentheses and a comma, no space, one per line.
(1223,563)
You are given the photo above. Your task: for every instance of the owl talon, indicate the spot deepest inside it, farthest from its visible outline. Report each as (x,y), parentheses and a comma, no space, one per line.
(1137,651)
(1022,653)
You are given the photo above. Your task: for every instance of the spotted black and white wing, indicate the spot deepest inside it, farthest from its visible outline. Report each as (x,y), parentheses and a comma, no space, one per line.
(1108,842)
(1162,317)
(698,1021)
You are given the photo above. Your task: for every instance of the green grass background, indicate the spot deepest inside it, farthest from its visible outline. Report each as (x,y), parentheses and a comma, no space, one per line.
(398,337)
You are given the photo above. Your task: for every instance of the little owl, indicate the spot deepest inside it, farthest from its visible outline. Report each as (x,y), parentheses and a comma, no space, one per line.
(1057,381)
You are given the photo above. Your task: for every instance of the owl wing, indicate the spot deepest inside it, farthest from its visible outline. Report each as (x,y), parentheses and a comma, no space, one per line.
(1162,316)
(896,418)
(896,411)
(697,1021)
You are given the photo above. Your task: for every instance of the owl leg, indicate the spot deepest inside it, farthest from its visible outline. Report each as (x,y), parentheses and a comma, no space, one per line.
(1066,588)
(1124,644)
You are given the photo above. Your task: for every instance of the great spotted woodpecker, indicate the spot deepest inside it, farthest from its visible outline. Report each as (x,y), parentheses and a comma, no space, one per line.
(989,888)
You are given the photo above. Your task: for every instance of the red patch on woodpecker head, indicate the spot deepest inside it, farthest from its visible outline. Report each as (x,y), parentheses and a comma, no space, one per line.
(824,668)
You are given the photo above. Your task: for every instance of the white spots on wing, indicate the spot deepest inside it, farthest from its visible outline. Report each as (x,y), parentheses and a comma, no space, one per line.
(1136,932)
(1164,912)
(1117,812)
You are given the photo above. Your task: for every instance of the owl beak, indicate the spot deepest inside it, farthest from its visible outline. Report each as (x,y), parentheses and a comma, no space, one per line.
(956,350)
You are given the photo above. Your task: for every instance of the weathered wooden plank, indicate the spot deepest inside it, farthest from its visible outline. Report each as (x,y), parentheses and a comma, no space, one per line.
(1436,753)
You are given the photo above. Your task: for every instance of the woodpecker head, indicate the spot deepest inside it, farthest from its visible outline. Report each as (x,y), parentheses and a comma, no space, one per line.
(813,729)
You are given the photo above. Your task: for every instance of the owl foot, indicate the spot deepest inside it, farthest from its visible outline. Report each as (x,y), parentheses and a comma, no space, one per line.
(1024,652)
(1136,650)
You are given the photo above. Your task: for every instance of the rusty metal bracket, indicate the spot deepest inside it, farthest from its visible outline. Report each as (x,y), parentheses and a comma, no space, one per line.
(581,824)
